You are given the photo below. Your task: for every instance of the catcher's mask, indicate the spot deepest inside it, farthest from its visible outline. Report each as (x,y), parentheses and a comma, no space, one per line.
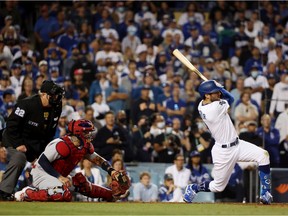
(82,129)
(55,92)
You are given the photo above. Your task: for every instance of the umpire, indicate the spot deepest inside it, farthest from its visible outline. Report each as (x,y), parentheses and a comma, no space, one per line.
(30,127)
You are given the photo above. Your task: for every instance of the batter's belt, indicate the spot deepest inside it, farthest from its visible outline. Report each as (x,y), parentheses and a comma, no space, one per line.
(231,144)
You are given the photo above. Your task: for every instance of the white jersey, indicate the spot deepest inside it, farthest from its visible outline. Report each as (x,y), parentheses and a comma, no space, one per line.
(216,117)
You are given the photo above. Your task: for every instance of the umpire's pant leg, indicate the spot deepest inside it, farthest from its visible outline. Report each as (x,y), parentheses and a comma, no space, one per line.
(14,169)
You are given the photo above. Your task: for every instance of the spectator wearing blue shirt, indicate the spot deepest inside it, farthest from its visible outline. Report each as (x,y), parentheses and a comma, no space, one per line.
(199,173)
(168,192)
(58,26)
(255,59)
(42,28)
(176,107)
(191,23)
(69,38)
(271,138)
(162,99)
(115,95)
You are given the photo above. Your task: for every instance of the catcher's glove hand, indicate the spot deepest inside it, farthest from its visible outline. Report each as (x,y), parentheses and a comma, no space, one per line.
(120,184)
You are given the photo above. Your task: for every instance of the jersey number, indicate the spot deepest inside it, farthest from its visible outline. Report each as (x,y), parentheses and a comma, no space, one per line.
(19,112)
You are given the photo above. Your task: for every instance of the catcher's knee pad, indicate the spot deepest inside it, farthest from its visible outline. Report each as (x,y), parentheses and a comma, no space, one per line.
(264,158)
(83,186)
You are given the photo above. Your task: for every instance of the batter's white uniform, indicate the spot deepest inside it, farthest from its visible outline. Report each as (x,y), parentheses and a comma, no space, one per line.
(217,119)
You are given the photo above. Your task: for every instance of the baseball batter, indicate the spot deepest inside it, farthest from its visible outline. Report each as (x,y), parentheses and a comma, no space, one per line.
(50,172)
(228,148)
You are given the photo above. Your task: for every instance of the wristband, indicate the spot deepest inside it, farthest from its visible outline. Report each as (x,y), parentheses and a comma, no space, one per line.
(107,167)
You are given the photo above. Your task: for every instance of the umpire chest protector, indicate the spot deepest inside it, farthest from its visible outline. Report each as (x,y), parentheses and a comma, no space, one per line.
(70,155)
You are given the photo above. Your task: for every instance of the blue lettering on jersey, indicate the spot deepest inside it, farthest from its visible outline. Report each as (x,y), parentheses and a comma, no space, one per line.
(222,102)
(203,116)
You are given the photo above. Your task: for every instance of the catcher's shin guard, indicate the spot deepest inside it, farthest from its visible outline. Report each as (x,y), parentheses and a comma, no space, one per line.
(83,186)
(51,194)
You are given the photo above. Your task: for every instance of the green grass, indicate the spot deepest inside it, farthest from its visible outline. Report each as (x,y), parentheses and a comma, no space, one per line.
(96,208)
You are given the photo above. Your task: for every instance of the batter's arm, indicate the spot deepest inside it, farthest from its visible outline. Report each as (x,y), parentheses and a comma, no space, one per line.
(227,96)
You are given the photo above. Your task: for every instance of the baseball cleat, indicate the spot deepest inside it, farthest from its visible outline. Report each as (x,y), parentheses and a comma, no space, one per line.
(266,198)
(189,194)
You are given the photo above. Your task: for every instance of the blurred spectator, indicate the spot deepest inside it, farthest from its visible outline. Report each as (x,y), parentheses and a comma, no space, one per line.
(191,11)
(70,61)
(80,85)
(24,54)
(8,103)
(257,83)
(279,96)
(144,190)
(10,9)
(248,132)
(267,93)
(71,93)
(29,70)
(100,108)
(162,99)
(5,52)
(59,26)
(16,79)
(236,92)
(69,38)
(206,47)
(145,13)
(26,88)
(3,160)
(115,95)
(105,56)
(42,28)
(181,174)
(255,59)
(142,139)
(92,174)
(193,40)
(182,136)
(109,137)
(199,172)
(131,40)
(173,30)
(107,32)
(61,128)
(104,16)
(281,123)
(43,69)
(143,106)
(245,111)
(89,113)
(261,43)
(175,106)
(190,96)
(283,150)
(168,192)
(98,86)
(271,138)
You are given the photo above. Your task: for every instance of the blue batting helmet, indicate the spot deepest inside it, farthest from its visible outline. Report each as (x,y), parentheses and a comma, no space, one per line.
(208,87)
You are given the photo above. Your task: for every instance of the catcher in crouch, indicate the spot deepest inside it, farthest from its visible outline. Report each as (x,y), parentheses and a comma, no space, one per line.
(50,172)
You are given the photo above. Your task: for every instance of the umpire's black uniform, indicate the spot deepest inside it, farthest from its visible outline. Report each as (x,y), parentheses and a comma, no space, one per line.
(30,124)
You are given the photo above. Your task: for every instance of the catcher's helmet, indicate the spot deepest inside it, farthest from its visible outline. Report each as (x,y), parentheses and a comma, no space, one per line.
(208,87)
(83,129)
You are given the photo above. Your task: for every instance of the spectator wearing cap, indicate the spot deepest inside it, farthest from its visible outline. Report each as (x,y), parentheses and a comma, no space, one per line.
(141,53)
(54,74)
(16,79)
(161,65)
(164,23)
(69,38)
(168,192)
(5,52)
(115,95)
(30,127)
(8,23)
(81,86)
(199,172)
(176,107)
(131,40)
(162,99)
(156,33)
(142,106)
(206,47)
(279,96)
(105,56)
(255,59)
(42,28)
(5,83)
(173,30)
(27,88)
(271,137)
(261,43)
(25,53)
(43,69)
(29,69)
(257,83)
(194,39)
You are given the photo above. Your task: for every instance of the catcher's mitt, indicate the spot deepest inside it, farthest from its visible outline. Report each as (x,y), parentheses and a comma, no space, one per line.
(120,184)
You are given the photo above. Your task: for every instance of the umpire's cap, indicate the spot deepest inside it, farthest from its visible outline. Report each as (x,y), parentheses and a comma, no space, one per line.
(208,87)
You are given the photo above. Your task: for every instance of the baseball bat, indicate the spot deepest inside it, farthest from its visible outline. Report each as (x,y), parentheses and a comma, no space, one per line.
(188,64)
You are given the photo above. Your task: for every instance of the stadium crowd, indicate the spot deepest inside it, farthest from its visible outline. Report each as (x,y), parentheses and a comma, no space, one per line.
(115,62)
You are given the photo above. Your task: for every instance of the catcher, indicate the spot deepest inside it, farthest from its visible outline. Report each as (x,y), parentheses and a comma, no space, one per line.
(50,172)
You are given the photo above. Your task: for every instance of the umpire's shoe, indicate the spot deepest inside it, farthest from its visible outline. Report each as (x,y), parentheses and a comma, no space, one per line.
(190,193)
(266,198)
(6,196)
